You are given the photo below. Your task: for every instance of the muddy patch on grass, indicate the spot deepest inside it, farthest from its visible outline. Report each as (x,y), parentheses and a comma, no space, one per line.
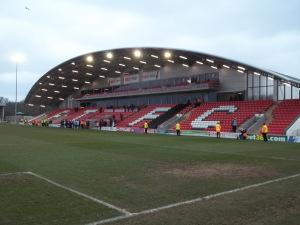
(217,169)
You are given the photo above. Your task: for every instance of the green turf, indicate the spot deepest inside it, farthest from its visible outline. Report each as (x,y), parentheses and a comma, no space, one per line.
(276,204)
(129,170)
(28,200)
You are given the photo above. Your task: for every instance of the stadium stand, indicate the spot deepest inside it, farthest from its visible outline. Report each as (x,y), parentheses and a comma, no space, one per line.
(148,114)
(165,116)
(284,115)
(205,116)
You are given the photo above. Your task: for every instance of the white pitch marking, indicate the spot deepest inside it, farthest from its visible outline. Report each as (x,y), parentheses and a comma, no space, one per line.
(13,173)
(124,211)
(149,211)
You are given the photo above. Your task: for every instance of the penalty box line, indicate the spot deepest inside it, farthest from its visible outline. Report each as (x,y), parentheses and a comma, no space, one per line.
(101,202)
(11,174)
(188,202)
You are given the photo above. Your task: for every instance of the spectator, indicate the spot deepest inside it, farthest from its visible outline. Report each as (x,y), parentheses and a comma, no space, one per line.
(218,129)
(264,131)
(100,124)
(234,125)
(146,127)
(177,129)
(243,135)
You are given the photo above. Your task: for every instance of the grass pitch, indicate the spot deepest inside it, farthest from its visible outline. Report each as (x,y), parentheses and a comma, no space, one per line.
(141,172)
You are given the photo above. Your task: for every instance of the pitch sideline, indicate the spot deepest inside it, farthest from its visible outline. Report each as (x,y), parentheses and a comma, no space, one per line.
(188,202)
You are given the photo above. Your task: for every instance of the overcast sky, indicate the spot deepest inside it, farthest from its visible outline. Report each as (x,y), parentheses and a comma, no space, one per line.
(265,33)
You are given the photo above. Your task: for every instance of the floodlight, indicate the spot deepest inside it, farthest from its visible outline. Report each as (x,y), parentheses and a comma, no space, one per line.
(109,55)
(167,54)
(89,58)
(18,58)
(137,53)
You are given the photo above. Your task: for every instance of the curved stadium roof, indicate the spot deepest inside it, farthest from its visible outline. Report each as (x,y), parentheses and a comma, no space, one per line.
(70,76)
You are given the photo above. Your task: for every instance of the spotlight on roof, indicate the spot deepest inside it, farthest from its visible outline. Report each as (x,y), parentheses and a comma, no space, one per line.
(226,66)
(64,86)
(89,74)
(59,69)
(61,99)
(136,68)
(87,82)
(127,58)
(49,97)
(185,65)
(57,92)
(143,62)
(107,61)
(117,71)
(90,58)
(43,89)
(120,64)
(154,56)
(75,80)
(270,78)
(183,57)
(73,63)
(171,61)
(51,84)
(210,60)
(101,76)
(137,53)
(240,71)
(62,78)
(241,68)
(157,66)
(103,68)
(38,96)
(42,106)
(109,55)
(167,54)
(89,65)
(214,67)
(76,88)
(256,73)
(30,105)
(40,83)
(74,71)
(199,62)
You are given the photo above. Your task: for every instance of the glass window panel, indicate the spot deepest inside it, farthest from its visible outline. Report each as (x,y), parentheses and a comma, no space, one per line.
(288,92)
(263,81)
(256,81)
(270,81)
(295,93)
(250,93)
(263,92)
(250,80)
(256,93)
(280,92)
(270,90)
